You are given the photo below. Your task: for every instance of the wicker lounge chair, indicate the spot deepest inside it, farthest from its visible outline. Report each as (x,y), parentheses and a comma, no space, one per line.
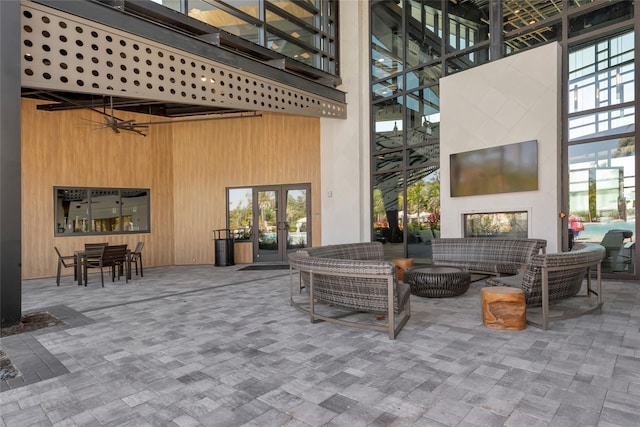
(551,278)
(353,277)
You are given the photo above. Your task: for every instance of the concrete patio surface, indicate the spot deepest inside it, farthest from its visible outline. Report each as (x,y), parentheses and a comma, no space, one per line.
(213,346)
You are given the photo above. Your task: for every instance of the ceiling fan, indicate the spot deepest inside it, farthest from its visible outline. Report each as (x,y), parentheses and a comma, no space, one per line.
(117,124)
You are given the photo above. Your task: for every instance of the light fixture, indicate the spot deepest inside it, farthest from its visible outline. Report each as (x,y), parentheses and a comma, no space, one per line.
(575,97)
(295,35)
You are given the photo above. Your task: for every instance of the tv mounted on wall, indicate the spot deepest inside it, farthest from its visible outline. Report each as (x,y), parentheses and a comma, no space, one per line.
(502,169)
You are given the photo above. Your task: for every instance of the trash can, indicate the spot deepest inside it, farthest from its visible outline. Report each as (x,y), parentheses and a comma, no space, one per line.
(223,247)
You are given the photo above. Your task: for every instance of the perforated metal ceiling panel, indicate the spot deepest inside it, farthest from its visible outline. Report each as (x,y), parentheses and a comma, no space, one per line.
(62,52)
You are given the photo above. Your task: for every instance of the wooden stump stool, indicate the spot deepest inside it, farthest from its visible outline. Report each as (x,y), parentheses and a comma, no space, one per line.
(401,265)
(503,308)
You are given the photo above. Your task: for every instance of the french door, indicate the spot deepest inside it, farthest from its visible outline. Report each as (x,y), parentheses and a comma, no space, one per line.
(280,214)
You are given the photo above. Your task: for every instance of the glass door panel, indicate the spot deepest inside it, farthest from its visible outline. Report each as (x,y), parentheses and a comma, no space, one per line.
(296,219)
(280,214)
(267,225)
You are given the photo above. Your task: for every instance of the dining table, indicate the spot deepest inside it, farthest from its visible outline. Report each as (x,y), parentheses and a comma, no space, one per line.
(81,256)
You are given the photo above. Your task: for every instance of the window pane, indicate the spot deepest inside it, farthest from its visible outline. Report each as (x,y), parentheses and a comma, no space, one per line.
(468,25)
(386,38)
(101,210)
(388,124)
(387,88)
(72,210)
(425,32)
(423,211)
(135,205)
(428,155)
(105,210)
(296,31)
(468,60)
(292,50)
(602,17)
(234,24)
(609,122)
(388,161)
(602,198)
(425,75)
(424,116)
(240,212)
(387,192)
(602,74)
(295,10)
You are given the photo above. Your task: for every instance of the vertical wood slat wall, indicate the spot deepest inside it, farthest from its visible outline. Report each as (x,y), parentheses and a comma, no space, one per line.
(187,166)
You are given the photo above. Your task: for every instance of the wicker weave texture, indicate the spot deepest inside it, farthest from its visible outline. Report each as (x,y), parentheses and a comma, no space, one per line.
(343,286)
(490,255)
(434,283)
(566,273)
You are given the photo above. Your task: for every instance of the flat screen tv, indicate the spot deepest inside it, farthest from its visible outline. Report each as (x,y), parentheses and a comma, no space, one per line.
(502,169)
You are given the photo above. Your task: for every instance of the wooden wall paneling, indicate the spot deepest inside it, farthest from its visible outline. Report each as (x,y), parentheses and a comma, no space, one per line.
(272,149)
(65,149)
(187,166)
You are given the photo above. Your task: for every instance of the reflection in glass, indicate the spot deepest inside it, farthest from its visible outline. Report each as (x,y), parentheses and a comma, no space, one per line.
(388,161)
(423,211)
(424,32)
(599,18)
(600,124)
(387,194)
(471,59)
(424,116)
(135,210)
(423,76)
(387,88)
(386,38)
(388,124)
(296,214)
(237,24)
(240,212)
(101,210)
(268,225)
(601,74)
(424,155)
(105,210)
(602,199)
(497,224)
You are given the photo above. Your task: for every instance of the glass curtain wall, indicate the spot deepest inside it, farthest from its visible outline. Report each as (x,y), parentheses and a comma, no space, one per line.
(602,160)
(302,30)
(414,43)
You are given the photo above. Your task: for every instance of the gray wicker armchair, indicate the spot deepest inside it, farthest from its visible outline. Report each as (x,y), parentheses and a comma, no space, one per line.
(353,277)
(551,278)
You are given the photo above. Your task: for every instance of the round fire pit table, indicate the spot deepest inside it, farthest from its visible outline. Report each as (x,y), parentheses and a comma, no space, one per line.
(437,282)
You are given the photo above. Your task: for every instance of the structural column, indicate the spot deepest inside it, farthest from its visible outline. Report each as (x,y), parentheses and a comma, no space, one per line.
(10,208)
(495,29)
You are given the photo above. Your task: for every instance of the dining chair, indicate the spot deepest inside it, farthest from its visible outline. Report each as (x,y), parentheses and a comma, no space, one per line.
(66,261)
(115,257)
(93,259)
(136,257)
(94,245)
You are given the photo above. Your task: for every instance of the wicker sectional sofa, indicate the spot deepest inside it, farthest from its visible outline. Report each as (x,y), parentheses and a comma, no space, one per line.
(352,277)
(552,278)
(486,255)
